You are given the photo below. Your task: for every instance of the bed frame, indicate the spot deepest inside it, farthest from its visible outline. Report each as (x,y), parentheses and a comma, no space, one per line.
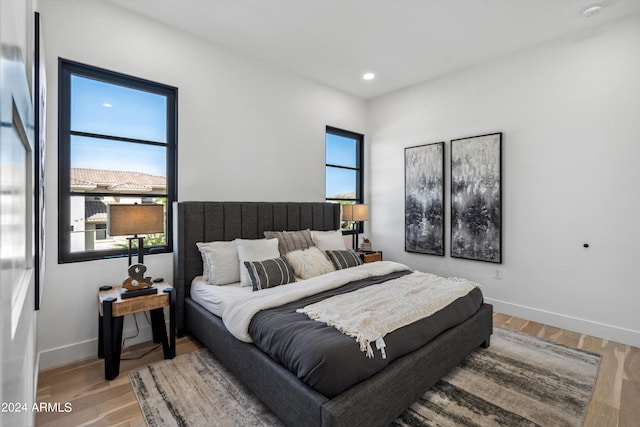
(375,401)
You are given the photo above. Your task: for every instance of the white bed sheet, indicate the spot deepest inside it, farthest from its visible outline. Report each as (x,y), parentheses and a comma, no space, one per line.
(217,298)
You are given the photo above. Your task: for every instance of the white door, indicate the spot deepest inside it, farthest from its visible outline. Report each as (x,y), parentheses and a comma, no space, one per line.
(17,315)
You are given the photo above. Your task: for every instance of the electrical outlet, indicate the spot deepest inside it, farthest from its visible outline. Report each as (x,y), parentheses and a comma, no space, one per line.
(498,275)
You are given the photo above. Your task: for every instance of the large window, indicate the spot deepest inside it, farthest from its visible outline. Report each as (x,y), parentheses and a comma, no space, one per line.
(344,168)
(117,145)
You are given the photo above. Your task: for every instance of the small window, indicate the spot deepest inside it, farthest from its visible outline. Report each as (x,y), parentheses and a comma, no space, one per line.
(344,168)
(101,231)
(117,145)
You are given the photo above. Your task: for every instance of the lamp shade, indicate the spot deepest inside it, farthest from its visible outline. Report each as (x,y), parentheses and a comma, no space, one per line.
(355,213)
(125,220)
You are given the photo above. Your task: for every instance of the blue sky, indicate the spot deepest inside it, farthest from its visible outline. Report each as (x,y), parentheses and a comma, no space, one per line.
(340,151)
(103,108)
(96,153)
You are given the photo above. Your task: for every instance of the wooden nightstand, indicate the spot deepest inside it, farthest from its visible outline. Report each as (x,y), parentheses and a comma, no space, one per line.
(370,256)
(112,309)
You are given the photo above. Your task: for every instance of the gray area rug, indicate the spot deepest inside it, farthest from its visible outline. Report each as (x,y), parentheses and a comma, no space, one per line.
(519,381)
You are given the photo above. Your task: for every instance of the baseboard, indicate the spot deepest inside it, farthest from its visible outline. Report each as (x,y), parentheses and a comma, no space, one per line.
(588,327)
(36,375)
(85,349)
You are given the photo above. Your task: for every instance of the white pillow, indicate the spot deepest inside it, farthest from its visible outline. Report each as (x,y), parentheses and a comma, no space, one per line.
(221,263)
(328,240)
(254,250)
(205,261)
(308,263)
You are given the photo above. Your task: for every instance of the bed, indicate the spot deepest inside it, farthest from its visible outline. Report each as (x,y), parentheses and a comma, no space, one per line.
(377,400)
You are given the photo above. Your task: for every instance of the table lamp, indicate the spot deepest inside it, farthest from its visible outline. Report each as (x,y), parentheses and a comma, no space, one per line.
(127,220)
(355,213)
(135,219)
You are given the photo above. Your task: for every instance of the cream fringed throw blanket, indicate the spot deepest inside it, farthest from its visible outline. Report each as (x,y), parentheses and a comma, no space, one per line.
(238,313)
(370,313)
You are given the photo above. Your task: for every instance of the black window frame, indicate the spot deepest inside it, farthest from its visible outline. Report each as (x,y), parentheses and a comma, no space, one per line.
(67,68)
(359,168)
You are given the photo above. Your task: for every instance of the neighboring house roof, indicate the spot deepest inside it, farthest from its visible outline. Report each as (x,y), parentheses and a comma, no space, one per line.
(95,211)
(81,184)
(116,181)
(130,186)
(109,181)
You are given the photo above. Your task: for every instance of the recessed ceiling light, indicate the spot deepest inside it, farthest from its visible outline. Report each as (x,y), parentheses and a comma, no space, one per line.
(592,10)
(368,76)
(107,105)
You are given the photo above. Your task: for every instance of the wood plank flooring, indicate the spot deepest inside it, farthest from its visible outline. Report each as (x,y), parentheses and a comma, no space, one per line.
(616,397)
(97,402)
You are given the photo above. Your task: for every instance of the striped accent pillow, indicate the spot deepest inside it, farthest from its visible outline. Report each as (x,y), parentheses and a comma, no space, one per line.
(269,273)
(289,241)
(344,259)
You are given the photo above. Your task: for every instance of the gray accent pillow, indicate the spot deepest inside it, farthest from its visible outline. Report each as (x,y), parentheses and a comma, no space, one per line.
(269,273)
(344,259)
(289,241)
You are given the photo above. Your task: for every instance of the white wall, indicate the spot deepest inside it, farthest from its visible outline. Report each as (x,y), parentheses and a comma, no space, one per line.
(247,131)
(570,116)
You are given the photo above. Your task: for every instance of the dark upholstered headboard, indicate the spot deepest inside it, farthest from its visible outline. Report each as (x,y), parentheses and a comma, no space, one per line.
(208,221)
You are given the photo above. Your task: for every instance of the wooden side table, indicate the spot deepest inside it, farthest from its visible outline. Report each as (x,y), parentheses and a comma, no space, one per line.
(370,256)
(112,309)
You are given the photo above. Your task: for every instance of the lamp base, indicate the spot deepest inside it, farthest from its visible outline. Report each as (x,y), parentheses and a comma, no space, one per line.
(125,293)
(140,248)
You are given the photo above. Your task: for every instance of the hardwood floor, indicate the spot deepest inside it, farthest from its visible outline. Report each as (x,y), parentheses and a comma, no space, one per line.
(616,397)
(94,400)
(97,402)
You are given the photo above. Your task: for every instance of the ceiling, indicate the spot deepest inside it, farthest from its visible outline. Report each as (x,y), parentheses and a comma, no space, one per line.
(404,42)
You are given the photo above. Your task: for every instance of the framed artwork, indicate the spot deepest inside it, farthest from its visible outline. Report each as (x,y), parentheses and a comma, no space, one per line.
(40,102)
(424,199)
(476,192)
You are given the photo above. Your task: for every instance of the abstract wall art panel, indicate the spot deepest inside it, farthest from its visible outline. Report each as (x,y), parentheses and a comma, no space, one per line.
(476,205)
(424,199)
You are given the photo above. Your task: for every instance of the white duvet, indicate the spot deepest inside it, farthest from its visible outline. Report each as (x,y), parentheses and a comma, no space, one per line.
(238,314)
